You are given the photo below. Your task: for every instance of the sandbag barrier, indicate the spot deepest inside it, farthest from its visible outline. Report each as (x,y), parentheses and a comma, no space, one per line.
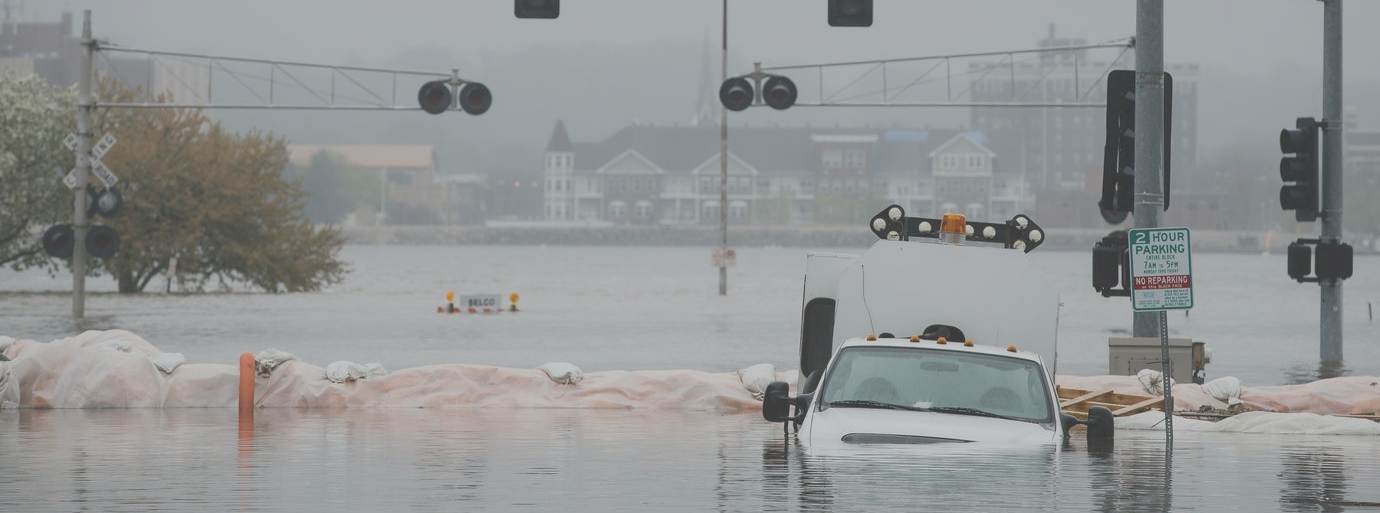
(116,369)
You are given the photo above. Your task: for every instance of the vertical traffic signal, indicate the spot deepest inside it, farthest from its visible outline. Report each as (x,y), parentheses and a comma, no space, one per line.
(1119,153)
(542,9)
(850,13)
(1111,264)
(1301,169)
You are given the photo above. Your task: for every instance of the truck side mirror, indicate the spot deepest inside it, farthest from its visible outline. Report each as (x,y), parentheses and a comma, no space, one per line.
(1101,427)
(776,402)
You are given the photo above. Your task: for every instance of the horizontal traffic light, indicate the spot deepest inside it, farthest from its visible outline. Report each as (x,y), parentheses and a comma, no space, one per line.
(436,97)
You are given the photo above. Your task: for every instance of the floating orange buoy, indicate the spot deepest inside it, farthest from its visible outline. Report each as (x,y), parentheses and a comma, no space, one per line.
(246,386)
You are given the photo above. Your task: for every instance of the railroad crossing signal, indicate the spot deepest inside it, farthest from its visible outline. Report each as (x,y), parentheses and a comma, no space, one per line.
(102,173)
(739,93)
(437,96)
(1300,171)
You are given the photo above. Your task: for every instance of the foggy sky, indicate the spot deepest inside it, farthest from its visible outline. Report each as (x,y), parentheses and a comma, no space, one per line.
(606,63)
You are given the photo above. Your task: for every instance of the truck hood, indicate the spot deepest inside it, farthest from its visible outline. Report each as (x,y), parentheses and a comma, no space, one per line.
(870,426)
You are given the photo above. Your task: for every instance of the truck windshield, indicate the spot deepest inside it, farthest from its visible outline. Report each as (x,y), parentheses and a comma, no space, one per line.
(942,381)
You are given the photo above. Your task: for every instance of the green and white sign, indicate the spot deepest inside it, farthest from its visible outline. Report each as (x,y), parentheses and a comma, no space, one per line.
(1161,269)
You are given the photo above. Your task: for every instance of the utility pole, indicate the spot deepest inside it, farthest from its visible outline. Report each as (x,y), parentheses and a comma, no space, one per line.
(723,165)
(1331,289)
(83,170)
(1149,196)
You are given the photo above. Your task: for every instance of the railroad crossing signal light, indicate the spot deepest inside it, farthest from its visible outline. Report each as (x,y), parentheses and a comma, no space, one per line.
(102,241)
(106,203)
(434,97)
(736,94)
(850,13)
(58,241)
(779,92)
(541,9)
(1300,171)
(475,98)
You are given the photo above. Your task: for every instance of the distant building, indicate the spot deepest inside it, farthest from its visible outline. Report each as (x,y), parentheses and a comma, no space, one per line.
(413,190)
(646,174)
(1056,148)
(53,52)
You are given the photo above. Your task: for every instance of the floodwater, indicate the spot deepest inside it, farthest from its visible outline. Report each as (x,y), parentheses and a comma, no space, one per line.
(597,461)
(642,308)
(657,308)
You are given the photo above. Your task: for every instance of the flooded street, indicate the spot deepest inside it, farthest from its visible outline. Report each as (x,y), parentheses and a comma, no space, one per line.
(606,308)
(562,460)
(622,308)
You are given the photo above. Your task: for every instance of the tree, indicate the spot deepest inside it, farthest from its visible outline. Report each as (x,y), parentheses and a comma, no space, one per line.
(34,118)
(210,204)
(334,188)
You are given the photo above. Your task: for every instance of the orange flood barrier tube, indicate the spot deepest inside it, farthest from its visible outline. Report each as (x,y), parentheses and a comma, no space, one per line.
(246,386)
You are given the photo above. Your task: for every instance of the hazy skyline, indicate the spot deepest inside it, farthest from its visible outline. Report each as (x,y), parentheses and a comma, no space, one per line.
(608,63)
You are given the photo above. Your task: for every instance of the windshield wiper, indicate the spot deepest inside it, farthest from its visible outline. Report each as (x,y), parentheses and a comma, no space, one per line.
(859,403)
(958,410)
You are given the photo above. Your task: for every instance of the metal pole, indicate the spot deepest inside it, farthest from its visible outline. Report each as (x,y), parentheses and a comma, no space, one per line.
(83,170)
(1166,382)
(723,166)
(1149,199)
(1330,319)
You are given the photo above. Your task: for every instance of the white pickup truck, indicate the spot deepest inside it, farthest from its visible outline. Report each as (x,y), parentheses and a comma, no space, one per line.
(945,340)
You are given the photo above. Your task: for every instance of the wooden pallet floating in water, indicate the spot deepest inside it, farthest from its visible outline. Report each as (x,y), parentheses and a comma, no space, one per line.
(1076,401)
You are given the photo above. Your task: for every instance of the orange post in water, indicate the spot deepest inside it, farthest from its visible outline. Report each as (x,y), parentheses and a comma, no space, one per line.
(246,386)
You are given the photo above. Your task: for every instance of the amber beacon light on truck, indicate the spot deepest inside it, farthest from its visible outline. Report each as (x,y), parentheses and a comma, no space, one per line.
(1019,232)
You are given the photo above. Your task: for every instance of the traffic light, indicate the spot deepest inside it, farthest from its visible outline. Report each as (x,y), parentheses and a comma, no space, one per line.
(1112,265)
(1300,260)
(779,92)
(850,13)
(1301,169)
(475,98)
(1119,152)
(1334,261)
(434,96)
(736,94)
(542,9)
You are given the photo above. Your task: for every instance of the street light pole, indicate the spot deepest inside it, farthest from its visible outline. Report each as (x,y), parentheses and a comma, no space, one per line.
(1331,290)
(723,165)
(1149,196)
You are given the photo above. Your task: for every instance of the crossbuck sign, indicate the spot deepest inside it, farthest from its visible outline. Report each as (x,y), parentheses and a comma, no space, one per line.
(98,168)
(1161,269)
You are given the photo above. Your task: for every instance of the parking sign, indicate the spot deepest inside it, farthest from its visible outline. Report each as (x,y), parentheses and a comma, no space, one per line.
(1161,269)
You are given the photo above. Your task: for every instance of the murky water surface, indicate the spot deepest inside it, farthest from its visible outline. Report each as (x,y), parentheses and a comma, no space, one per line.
(560,460)
(643,308)
(657,308)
